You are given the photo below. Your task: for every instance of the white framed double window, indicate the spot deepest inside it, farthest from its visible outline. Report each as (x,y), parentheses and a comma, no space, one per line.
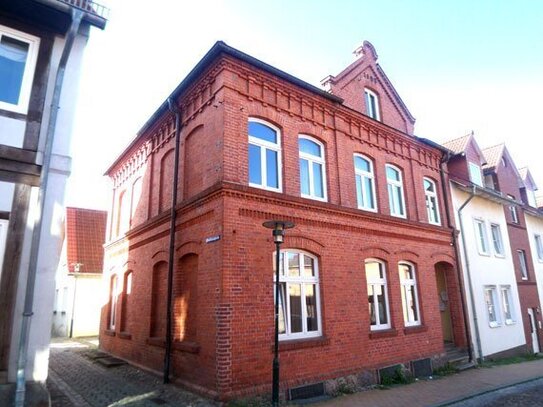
(18,56)
(497,242)
(395,191)
(507,304)
(264,155)
(523,264)
(481,236)
(372,104)
(299,297)
(312,168)
(539,247)
(475,174)
(432,204)
(513,210)
(409,294)
(376,280)
(365,183)
(491,302)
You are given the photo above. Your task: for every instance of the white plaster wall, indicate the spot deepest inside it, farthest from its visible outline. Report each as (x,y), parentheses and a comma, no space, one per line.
(534,226)
(12,131)
(485,271)
(87,305)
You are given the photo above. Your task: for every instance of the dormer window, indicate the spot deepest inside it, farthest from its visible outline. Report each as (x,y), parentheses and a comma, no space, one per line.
(372,104)
(475,174)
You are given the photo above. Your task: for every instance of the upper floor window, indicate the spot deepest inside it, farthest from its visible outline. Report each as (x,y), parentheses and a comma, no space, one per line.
(497,239)
(365,183)
(410,299)
(539,247)
(523,264)
(480,233)
(475,175)
(432,206)
(123,213)
(513,210)
(312,168)
(532,201)
(377,295)
(299,302)
(18,54)
(264,155)
(372,104)
(395,191)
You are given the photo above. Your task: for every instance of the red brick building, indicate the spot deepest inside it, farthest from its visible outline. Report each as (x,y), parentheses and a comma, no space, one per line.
(363,269)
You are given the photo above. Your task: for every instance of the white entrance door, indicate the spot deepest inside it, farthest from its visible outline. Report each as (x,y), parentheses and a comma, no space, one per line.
(533,329)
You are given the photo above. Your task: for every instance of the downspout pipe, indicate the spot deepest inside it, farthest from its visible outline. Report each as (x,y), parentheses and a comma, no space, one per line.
(444,186)
(468,272)
(172,106)
(77,15)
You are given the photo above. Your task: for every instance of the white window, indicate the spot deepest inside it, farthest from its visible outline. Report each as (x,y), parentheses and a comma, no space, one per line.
(475,174)
(507,304)
(372,104)
(312,168)
(123,213)
(490,301)
(432,205)
(539,247)
(410,298)
(264,155)
(18,55)
(395,191)
(299,301)
(480,234)
(531,198)
(377,295)
(523,264)
(497,239)
(365,183)
(513,210)
(113,303)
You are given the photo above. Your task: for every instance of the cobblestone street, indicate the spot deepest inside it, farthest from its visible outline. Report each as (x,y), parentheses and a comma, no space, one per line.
(76,380)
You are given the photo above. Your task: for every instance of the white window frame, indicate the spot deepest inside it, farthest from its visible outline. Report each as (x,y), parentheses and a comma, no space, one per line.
(513,211)
(481,236)
(507,302)
(493,296)
(532,201)
(28,74)
(266,145)
(114,288)
(362,185)
(498,241)
(405,286)
(302,281)
(374,114)
(431,200)
(539,247)
(393,185)
(523,264)
(383,283)
(475,174)
(313,159)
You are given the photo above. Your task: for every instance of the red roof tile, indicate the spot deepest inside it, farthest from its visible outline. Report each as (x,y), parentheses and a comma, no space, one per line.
(493,155)
(458,145)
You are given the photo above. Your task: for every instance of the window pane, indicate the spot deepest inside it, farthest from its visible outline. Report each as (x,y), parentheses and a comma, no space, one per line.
(373,271)
(410,308)
(293,264)
(428,186)
(362,164)
(393,174)
(255,169)
(295,298)
(317,180)
(311,307)
(262,132)
(282,311)
(359,195)
(309,269)
(406,272)
(369,193)
(373,318)
(381,304)
(13,56)
(309,147)
(506,306)
(271,169)
(304,176)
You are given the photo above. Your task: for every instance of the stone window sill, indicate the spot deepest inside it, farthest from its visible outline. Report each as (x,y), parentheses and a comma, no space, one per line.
(109,332)
(415,329)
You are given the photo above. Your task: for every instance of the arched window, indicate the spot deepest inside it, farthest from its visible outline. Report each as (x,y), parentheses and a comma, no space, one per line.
(125,305)
(136,195)
(159,295)
(113,292)
(123,215)
(395,191)
(264,155)
(377,295)
(312,168)
(410,298)
(372,104)
(299,300)
(432,205)
(365,183)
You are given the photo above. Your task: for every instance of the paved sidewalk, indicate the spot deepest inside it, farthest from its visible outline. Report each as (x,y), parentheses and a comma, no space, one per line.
(446,390)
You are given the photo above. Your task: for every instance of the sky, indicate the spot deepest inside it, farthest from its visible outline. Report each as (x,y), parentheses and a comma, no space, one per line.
(459,66)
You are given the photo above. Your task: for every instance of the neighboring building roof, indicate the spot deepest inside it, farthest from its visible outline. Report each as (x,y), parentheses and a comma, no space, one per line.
(493,155)
(85,236)
(539,201)
(527,178)
(458,145)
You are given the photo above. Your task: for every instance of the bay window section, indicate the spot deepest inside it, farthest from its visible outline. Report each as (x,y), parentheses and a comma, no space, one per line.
(432,206)
(377,295)
(264,155)
(365,183)
(409,294)
(395,191)
(312,168)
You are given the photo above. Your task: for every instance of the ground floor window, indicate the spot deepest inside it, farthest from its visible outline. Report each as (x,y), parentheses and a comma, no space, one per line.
(377,295)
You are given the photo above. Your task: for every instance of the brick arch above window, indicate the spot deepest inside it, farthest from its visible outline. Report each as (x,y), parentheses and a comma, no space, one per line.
(374,252)
(438,257)
(192,130)
(161,255)
(266,114)
(303,243)
(190,247)
(406,253)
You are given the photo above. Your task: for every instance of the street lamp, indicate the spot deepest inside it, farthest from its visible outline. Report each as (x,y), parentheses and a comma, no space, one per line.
(278,232)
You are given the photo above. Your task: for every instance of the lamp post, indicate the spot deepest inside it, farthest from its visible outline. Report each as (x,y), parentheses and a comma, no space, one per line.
(278,232)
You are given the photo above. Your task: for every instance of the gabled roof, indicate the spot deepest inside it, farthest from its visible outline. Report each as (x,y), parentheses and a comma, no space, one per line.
(493,155)
(85,236)
(458,145)
(527,178)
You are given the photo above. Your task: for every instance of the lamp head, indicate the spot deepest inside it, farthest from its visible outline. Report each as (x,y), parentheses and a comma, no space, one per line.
(278,227)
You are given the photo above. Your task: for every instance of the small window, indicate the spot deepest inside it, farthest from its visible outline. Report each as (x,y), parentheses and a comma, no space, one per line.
(513,210)
(372,104)
(482,239)
(365,183)
(377,295)
(475,175)
(312,169)
(395,191)
(113,303)
(432,205)
(18,54)
(539,247)
(497,239)
(507,304)
(491,300)
(532,201)
(523,264)
(264,155)
(410,299)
